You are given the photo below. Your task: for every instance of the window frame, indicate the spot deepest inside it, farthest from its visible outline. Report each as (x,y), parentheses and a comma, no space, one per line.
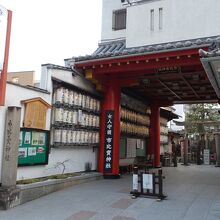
(152,19)
(115,24)
(160,18)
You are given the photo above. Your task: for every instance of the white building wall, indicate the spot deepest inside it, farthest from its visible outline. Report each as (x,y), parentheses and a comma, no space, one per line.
(182,20)
(74,159)
(108,6)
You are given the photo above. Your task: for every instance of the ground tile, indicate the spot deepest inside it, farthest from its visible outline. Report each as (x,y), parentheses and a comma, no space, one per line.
(118,217)
(122,203)
(82,215)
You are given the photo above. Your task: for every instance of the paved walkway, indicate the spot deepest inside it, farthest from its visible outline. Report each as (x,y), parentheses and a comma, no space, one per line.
(193,193)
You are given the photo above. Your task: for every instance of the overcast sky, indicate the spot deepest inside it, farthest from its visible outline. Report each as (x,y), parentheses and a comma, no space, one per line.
(48,31)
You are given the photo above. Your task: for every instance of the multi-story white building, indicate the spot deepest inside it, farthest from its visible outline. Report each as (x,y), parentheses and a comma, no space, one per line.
(150,22)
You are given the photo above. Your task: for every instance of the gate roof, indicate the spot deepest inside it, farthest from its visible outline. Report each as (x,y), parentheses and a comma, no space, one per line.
(168,73)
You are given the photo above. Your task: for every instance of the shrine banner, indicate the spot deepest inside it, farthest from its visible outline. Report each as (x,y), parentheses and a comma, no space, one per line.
(109,133)
(3,30)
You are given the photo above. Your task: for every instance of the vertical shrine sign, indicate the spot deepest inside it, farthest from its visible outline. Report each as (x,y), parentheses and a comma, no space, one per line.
(109,133)
(3,31)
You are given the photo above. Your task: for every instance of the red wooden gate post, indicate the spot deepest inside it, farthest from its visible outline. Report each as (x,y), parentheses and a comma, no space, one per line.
(111,103)
(4,72)
(155,133)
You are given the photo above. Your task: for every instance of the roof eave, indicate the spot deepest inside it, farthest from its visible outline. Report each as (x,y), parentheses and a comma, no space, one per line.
(112,58)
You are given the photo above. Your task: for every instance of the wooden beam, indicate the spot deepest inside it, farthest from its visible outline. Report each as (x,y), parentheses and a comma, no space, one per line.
(168,76)
(190,87)
(169,89)
(143,66)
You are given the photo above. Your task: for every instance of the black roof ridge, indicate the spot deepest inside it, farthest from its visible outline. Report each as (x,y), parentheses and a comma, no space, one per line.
(29,87)
(55,66)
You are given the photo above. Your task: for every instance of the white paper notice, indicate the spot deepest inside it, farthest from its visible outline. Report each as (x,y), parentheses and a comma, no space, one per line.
(22,152)
(135,181)
(32,151)
(147,181)
(27,138)
(206,157)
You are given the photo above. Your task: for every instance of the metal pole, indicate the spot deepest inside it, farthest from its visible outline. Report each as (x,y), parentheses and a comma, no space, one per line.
(186,151)
(160,177)
(154,184)
(135,180)
(217,145)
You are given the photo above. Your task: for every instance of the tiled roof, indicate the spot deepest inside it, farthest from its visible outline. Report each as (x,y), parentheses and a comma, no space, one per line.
(214,50)
(53,66)
(118,48)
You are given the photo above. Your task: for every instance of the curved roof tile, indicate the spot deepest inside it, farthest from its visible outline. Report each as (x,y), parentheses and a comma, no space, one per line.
(117,48)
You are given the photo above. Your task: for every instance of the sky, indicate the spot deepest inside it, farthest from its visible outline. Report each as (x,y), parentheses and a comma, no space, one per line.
(48,31)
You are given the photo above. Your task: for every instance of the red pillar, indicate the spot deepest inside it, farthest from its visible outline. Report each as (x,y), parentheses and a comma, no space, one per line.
(111,102)
(3,77)
(155,133)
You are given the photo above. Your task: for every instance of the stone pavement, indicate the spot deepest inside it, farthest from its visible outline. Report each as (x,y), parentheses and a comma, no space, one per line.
(193,194)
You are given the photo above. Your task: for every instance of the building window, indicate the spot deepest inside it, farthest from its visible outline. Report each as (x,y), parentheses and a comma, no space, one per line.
(15,79)
(160,18)
(152,20)
(119,19)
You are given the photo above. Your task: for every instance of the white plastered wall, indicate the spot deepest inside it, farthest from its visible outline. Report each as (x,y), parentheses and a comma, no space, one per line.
(108,34)
(182,20)
(73,159)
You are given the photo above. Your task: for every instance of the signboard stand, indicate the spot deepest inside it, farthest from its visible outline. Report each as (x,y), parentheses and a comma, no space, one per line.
(145,184)
(206,156)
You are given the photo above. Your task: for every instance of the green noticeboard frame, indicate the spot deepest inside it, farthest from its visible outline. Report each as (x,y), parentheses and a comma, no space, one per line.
(33,147)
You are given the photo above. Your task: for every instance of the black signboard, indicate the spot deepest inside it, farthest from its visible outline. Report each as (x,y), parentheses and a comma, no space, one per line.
(170,69)
(108,152)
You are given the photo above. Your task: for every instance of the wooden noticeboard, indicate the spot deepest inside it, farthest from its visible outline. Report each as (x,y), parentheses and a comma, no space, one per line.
(35,113)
